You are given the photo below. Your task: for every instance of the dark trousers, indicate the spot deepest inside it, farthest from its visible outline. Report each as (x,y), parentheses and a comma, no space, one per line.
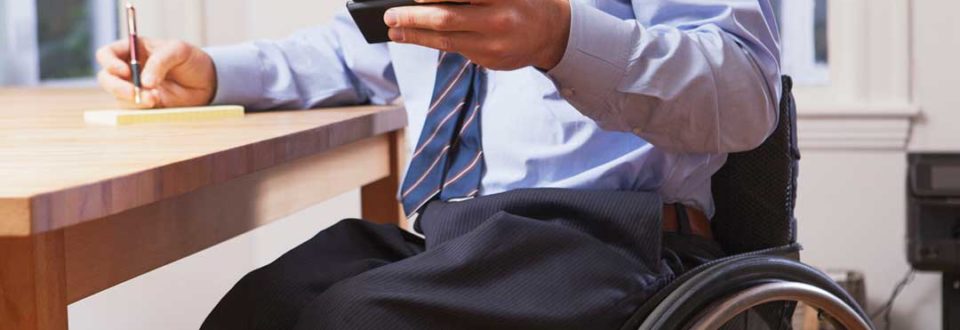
(526,259)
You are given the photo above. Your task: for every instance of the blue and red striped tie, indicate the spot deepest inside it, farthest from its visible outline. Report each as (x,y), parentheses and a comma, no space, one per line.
(448,161)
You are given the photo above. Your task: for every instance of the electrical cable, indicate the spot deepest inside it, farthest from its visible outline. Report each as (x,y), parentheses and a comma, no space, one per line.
(887,307)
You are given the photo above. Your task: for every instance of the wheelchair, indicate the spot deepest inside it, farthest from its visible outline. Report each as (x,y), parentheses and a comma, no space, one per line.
(759,285)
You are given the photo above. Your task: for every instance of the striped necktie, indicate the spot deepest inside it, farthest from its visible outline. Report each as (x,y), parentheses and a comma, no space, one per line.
(448,160)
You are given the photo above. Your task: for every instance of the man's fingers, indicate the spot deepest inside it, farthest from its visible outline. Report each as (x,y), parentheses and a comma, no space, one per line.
(437,18)
(162,60)
(122,89)
(445,41)
(150,98)
(113,58)
(447,1)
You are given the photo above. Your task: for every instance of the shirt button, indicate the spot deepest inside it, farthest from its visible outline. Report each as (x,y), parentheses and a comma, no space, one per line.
(637,131)
(567,92)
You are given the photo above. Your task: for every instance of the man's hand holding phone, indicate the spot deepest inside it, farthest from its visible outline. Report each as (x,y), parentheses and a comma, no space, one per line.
(496,34)
(175,73)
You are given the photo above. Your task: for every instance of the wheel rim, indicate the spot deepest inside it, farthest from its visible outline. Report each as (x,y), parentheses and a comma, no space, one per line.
(723,311)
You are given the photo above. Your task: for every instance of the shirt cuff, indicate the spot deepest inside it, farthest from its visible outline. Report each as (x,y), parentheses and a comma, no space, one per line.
(239,78)
(595,60)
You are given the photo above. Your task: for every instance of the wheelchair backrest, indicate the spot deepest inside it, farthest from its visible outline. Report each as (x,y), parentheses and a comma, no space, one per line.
(755,191)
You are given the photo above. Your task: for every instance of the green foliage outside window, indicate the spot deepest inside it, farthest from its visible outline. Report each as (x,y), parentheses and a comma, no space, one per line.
(65,39)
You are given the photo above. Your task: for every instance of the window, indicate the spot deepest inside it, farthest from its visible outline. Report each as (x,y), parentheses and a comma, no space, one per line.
(52,42)
(803,28)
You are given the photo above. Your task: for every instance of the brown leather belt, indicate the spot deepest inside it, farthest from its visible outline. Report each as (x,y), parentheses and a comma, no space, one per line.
(695,223)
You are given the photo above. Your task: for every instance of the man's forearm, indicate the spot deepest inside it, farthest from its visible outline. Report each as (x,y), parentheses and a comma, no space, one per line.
(681,86)
(309,69)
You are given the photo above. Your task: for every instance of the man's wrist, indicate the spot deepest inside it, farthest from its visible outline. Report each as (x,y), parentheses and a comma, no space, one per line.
(213,75)
(557,43)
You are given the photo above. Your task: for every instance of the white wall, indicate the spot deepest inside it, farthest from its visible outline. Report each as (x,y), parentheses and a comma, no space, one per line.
(937,43)
(257,19)
(851,213)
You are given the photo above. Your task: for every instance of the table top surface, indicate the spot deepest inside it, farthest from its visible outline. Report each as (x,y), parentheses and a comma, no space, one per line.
(57,171)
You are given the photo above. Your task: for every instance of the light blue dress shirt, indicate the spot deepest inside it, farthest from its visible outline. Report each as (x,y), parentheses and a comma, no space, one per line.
(650,95)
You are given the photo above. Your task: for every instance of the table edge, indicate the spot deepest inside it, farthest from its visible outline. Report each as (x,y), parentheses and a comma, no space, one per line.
(31,215)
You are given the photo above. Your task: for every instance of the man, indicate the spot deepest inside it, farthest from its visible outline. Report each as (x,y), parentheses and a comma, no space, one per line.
(630,106)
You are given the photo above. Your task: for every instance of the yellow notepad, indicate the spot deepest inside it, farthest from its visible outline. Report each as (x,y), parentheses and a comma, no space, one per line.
(124,117)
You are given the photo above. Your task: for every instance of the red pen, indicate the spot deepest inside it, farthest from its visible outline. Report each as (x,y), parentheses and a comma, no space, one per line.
(134,63)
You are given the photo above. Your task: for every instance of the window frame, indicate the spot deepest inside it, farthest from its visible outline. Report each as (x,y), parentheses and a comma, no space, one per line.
(798,37)
(21,48)
(868,105)
(869,61)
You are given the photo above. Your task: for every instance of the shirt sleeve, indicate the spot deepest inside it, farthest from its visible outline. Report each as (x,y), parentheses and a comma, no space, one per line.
(329,65)
(685,75)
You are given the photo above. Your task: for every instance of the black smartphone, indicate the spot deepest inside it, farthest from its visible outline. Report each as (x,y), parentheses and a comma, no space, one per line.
(368,14)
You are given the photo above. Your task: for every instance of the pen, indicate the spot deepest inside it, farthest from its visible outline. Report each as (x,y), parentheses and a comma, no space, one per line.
(134,63)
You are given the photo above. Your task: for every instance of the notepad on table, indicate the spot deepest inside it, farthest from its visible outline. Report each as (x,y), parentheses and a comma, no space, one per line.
(125,117)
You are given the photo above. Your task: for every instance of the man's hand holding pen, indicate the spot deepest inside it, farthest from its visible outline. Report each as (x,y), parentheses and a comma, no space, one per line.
(175,73)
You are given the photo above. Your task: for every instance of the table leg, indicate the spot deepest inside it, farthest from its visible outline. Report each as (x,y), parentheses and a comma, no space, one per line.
(379,199)
(33,283)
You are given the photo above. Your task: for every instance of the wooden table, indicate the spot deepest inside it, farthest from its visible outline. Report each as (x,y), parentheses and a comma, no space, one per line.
(83,208)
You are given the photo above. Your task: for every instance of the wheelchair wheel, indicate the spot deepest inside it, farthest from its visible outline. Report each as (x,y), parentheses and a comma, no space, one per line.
(721,312)
(716,294)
